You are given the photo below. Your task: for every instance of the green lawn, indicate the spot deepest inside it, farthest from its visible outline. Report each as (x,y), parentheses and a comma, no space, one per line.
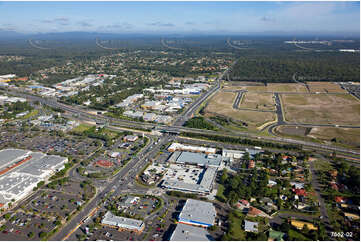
(295,235)
(81,128)
(31,114)
(235,228)
(220,196)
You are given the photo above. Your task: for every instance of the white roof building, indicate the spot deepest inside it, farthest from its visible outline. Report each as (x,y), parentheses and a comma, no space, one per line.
(184,232)
(122,222)
(198,213)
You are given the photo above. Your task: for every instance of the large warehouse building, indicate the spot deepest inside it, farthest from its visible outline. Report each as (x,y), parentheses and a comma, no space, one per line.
(184,232)
(21,170)
(199,159)
(198,213)
(203,187)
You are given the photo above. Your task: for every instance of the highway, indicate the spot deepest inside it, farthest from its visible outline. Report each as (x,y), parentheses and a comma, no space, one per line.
(195,105)
(113,122)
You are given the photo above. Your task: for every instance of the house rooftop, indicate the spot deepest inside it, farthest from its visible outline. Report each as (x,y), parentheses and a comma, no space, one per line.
(250,226)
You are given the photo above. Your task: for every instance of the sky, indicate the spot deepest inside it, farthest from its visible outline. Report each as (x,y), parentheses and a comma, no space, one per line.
(180,17)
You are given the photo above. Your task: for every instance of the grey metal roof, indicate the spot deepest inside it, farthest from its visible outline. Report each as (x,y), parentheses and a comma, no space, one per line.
(250,226)
(205,185)
(9,156)
(184,232)
(18,182)
(199,159)
(199,211)
(39,163)
(129,223)
(208,177)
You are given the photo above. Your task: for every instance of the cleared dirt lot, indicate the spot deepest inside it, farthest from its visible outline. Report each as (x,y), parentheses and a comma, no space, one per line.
(222,102)
(259,101)
(341,109)
(272,87)
(325,87)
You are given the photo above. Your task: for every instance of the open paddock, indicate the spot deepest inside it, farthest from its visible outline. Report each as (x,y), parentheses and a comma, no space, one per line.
(258,101)
(292,130)
(336,109)
(222,104)
(271,87)
(325,87)
(346,136)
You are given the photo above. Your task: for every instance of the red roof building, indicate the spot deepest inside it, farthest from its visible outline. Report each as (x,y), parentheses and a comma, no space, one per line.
(251,164)
(339,199)
(300,192)
(254,211)
(244,202)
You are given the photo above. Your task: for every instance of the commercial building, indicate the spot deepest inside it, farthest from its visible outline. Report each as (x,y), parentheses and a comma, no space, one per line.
(122,222)
(199,159)
(184,232)
(129,201)
(22,170)
(130,138)
(130,100)
(198,213)
(203,186)
(9,157)
(6,99)
(236,154)
(181,147)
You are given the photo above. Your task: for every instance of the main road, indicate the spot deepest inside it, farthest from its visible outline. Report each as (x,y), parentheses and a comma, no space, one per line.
(113,122)
(70,226)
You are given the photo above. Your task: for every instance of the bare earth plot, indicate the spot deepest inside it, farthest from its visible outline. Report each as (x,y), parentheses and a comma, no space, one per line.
(222,104)
(325,87)
(260,101)
(272,87)
(336,109)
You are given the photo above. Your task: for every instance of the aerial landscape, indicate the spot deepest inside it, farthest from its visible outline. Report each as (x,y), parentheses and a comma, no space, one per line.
(180,121)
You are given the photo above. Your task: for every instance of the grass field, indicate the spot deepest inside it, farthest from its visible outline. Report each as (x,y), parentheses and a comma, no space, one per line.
(222,104)
(81,128)
(342,135)
(325,87)
(272,87)
(341,109)
(31,114)
(259,101)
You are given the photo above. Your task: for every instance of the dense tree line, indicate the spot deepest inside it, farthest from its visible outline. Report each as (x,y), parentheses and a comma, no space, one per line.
(307,66)
(199,123)
(235,140)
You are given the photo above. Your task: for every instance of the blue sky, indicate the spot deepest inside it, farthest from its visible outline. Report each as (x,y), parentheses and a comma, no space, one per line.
(180,17)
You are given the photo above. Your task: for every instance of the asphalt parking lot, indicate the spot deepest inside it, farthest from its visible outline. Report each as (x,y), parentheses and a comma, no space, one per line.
(54,203)
(20,225)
